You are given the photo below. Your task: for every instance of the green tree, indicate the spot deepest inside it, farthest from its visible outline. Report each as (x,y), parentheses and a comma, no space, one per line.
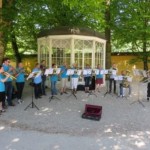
(131,25)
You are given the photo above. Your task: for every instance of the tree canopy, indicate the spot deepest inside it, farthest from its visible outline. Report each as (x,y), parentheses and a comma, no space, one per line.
(126,23)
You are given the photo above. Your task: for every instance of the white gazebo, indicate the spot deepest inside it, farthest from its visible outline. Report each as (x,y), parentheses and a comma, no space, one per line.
(72,45)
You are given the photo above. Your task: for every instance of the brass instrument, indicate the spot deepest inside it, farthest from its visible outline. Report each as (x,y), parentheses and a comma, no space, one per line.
(125,82)
(75,71)
(34,74)
(10,76)
(54,71)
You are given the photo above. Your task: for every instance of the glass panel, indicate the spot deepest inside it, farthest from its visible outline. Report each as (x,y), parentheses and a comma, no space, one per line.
(44,54)
(99,54)
(83,52)
(61,51)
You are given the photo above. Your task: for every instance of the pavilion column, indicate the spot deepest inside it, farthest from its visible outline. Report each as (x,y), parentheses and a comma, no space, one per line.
(50,51)
(93,54)
(104,55)
(39,46)
(72,52)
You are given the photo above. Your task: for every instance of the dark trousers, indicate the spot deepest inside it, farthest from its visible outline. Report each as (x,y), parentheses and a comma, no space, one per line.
(112,81)
(43,85)
(8,91)
(2,98)
(37,90)
(20,87)
(87,81)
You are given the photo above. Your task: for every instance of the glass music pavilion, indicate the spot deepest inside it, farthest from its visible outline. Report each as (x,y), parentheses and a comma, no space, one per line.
(71,45)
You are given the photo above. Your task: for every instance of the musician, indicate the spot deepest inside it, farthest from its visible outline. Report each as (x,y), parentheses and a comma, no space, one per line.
(20,81)
(111,78)
(74,78)
(37,81)
(125,83)
(2,89)
(53,80)
(8,84)
(99,79)
(64,78)
(43,68)
(87,78)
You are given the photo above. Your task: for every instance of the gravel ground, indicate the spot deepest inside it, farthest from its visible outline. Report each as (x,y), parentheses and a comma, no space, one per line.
(125,123)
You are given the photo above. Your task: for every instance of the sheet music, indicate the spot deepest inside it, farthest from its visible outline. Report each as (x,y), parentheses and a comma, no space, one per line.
(48,71)
(144,73)
(70,72)
(30,76)
(58,70)
(79,72)
(120,78)
(103,71)
(84,72)
(137,72)
(89,71)
(38,74)
(95,71)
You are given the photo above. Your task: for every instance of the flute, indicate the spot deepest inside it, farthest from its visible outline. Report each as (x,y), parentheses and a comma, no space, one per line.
(8,74)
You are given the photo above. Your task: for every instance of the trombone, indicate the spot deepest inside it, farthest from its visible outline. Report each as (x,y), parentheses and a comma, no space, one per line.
(10,76)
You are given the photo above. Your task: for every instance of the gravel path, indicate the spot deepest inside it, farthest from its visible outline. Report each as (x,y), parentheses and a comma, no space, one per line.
(58,125)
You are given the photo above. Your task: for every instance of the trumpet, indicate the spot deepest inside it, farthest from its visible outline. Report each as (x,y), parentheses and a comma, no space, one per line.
(10,76)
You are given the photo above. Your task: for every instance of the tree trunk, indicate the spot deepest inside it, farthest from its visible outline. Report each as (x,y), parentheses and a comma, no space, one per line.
(145,57)
(108,36)
(1,37)
(15,48)
(2,49)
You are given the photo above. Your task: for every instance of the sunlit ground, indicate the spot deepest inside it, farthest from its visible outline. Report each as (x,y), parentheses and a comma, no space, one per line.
(58,125)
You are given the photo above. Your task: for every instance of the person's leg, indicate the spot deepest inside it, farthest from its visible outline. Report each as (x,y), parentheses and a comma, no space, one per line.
(62,85)
(3,97)
(9,91)
(72,84)
(75,84)
(21,87)
(88,83)
(55,89)
(65,85)
(39,91)
(18,85)
(36,91)
(130,89)
(0,102)
(121,90)
(43,86)
(85,80)
(110,85)
(52,88)
(114,85)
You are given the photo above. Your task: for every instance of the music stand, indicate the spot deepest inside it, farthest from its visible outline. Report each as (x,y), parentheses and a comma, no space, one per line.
(32,104)
(73,94)
(53,97)
(138,74)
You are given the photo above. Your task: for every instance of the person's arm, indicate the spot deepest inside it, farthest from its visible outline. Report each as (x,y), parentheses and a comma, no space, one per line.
(5,79)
